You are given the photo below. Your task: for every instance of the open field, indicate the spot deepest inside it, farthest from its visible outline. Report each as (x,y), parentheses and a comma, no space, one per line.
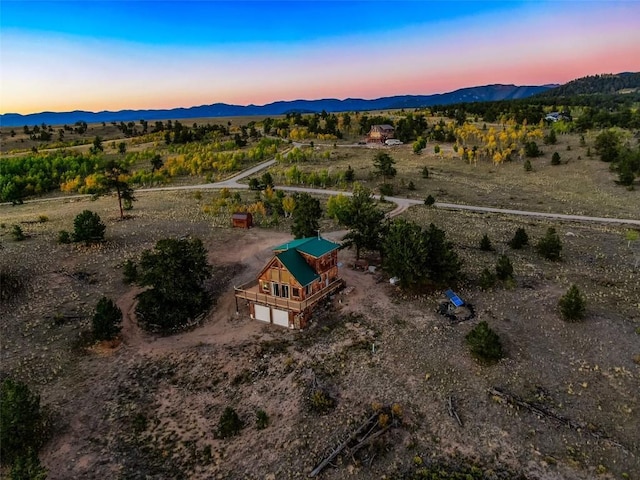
(581,185)
(149,407)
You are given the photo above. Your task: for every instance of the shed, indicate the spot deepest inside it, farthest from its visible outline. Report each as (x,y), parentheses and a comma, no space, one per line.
(242,220)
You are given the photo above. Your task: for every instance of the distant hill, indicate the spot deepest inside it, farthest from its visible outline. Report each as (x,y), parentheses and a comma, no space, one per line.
(473,94)
(595,84)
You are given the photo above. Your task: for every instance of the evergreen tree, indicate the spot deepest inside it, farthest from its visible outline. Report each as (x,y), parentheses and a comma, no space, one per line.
(22,426)
(306,216)
(384,166)
(572,305)
(520,239)
(419,256)
(176,271)
(555,158)
(550,245)
(107,320)
(230,423)
(27,467)
(364,220)
(88,228)
(484,343)
(504,269)
(485,243)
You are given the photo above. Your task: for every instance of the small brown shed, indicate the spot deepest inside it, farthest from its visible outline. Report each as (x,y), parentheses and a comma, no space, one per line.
(242,220)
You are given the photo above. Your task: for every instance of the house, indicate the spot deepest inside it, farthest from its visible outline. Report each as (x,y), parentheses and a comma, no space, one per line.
(300,274)
(242,220)
(380,133)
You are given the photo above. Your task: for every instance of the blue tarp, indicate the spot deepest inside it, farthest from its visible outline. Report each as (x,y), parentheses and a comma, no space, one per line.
(453,298)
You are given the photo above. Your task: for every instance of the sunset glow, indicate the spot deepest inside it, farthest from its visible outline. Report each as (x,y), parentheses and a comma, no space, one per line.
(63,56)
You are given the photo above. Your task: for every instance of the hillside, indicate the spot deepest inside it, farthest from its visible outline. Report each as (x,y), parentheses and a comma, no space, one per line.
(595,84)
(472,94)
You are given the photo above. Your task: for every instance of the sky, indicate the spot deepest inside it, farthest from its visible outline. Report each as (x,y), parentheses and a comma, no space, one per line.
(151,54)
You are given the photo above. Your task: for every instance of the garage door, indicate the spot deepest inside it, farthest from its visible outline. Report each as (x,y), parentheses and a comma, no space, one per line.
(280,317)
(262,313)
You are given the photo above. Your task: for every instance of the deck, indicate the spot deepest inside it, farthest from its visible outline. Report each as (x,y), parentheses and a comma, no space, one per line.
(251,291)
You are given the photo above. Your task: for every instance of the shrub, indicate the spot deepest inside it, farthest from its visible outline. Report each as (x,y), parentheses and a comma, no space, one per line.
(555,158)
(504,269)
(129,272)
(27,467)
(484,343)
(411,185)
(550,138)
(531,149)
(487,279)
(425,172)
(88,228)
(436,149)
(230,423)
(429,201)
(520,239)
(485,243)
(107,320)
(22,425)
(262,420)
(527,165)
(17,233)
(550,246)
(43,218)
(321,401)
(386,189)
(572,305)
(64,237)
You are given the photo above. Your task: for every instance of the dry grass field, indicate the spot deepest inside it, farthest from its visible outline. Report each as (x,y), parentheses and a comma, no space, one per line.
(581,185)
(149,406)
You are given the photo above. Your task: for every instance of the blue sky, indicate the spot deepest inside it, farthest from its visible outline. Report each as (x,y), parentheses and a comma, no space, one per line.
(96,55)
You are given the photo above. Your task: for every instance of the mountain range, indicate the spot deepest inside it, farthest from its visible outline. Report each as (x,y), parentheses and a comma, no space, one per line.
(472,94)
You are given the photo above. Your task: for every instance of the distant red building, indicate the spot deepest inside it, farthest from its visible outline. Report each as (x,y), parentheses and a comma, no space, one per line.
(242,220)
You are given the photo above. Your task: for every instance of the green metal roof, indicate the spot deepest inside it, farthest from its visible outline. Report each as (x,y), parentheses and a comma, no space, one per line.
(296,265)
(314,246)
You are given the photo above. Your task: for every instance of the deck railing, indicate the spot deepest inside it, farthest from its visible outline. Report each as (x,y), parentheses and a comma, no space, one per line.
(292,305)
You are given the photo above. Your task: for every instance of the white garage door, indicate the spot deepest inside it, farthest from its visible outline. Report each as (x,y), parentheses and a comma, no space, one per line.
(262,313)
(280,317)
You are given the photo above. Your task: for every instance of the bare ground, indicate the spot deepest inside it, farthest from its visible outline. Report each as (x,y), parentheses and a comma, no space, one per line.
(149,408)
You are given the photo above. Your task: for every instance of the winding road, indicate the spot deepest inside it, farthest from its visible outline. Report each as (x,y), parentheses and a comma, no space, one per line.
(401,203)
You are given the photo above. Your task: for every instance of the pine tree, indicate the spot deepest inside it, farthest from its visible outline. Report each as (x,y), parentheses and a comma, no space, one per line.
(485,243)
(484,343)
(572,305)
(107,320)
(504,269)
(520,239)
(550,245)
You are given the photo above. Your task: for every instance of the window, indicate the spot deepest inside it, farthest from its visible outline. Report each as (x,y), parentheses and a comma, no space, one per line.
(265,286)
(275,289)
(285,291)
(295,291)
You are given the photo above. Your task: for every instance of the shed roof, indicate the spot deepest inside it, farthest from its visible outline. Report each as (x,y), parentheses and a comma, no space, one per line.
(297,266)
(314,246)
(241,215)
